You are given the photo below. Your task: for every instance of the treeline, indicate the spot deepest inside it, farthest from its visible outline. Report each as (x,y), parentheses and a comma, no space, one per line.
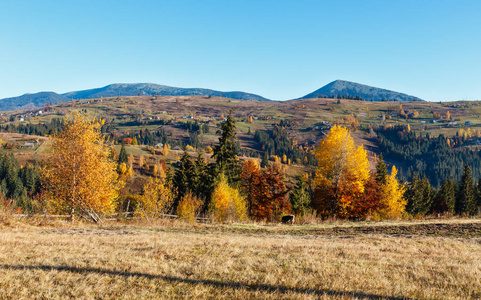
(461,197)
(19,184)
(342,185)
(276,142)
(434,158)
(42,129)
(143,137)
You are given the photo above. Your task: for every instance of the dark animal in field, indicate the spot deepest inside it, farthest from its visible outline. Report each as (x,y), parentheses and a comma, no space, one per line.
(288,219)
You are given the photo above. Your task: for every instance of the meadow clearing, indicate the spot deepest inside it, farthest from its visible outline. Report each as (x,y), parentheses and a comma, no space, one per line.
(430,259)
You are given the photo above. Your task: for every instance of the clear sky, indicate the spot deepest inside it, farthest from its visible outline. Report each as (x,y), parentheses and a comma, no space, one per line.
(278,49)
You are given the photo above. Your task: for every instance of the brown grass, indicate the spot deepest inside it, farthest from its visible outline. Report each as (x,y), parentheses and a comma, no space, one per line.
(176,260)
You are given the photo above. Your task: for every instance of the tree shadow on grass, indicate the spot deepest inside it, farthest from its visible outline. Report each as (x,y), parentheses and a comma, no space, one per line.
(208,282)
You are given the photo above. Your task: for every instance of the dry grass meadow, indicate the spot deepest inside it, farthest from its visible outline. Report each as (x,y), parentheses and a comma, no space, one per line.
(385,260)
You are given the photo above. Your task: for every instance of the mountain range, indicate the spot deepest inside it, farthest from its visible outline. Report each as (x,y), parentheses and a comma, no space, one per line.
(338,88)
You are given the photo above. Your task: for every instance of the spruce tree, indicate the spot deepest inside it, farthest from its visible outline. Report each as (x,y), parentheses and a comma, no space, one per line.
(381,171)
(428,196)
(446,199)
(225,154)
(466,199)
(184,177)
(203,182)
(414,195)
(300,197)
(123,156)
(265,160)
(478,193)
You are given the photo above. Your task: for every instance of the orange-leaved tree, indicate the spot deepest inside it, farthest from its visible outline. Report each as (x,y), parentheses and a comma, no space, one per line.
(226,203)
(341,174)
(265,191)
(250,177)
(80,177)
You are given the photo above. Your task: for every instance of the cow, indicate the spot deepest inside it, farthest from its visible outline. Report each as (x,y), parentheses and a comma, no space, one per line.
(288,219)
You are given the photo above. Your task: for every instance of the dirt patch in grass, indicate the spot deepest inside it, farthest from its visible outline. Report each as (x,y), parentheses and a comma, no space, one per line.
(447,230)
(453,229)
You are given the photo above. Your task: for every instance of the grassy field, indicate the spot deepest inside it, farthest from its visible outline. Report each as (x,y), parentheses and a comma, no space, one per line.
(385,260)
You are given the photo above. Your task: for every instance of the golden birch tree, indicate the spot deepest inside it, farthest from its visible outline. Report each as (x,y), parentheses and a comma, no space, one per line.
(80,177)
(156,198)
(227,204)
(392,197)
(341,174)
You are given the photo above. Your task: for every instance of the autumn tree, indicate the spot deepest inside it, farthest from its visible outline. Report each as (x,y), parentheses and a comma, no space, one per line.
(189,207)
(270,194)
(131,161)
(369,202)
(227,204)
(341,174)
(250,177)
(393,203)
(80,177)
(165,149)
(156,198)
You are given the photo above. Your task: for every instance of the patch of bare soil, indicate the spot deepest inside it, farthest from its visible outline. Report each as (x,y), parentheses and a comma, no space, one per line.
(456,230)
(467,230)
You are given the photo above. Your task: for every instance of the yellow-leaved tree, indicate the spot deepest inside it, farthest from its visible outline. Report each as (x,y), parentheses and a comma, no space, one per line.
(165,149)
(189,207)
(227,204)
(80,177)
(393,203)
(341,174)
(156,199)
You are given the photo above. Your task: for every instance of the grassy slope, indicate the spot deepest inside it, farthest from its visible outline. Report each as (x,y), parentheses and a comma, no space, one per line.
(237,261)
(305,114)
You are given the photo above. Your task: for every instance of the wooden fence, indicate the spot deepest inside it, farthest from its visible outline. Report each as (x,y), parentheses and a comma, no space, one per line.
(111,217)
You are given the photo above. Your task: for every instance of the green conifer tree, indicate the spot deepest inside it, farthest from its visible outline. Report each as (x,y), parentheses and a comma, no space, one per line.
(446,198)
(184,177)
(300,198)
(123,156)
(381,171)
(466,198)
(414,195)
(265,160)
(225,154)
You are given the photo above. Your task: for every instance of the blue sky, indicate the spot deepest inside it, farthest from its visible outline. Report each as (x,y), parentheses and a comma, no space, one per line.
(278,49)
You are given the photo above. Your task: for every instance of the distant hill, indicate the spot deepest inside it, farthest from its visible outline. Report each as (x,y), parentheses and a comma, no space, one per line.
(351,89)
(336,88)
(29,101)
(133,89)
